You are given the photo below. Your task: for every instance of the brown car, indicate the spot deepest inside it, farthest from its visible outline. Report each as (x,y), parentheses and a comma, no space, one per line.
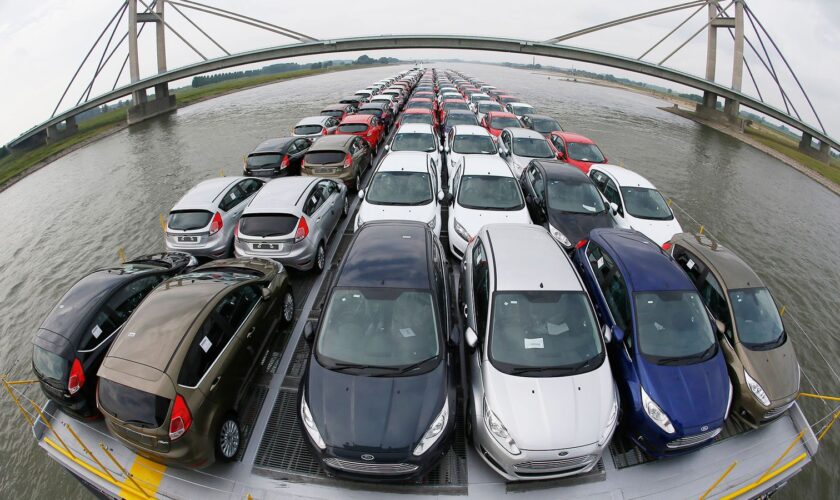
(171,385)
(342,157)
(760,355)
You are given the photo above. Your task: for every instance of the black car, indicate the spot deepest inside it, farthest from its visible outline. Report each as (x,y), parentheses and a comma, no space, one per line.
(277,157)
(379,392)
(379,109)
(541,123)
(354,100)
(73,339)
(564,200)
(457,117)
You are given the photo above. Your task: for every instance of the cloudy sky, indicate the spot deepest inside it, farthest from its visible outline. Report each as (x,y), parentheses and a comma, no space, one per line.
(42,44)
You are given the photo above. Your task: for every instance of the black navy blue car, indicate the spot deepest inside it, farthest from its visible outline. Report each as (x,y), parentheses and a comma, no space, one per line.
(670,372)
(73,339)
(379,393)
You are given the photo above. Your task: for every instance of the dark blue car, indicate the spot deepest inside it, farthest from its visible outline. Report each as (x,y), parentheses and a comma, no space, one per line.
(669,369)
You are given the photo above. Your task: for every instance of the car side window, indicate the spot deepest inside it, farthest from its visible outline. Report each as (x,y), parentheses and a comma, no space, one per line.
(293,148)
(611,194)
(332,187)
(481,288)
(232,198)
(611,283)
(456,182)
(250,186)
(506,140)
(440,282)
(599,179)
(709,287)
(313,200)
(353,148)
(538,183)
(558,143)
(117,309)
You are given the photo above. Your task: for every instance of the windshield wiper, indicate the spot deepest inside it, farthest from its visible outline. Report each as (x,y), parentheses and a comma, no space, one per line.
(416,365)
(670,361)
(528,369)
(344,366)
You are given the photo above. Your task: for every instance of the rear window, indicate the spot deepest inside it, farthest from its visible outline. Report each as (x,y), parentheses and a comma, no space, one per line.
(131,405)
(308,129)
(325,157)
(49,365)
(262,160)
(352,128)
(420,105)
(185,220)
(267,224)
(336,114)
(374,112)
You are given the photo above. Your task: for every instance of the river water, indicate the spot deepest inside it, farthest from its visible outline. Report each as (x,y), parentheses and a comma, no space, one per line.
(74,215)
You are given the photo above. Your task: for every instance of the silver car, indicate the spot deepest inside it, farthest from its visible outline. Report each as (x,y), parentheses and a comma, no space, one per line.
(518,146)
(291,220)
(543,401)
(315,126)
(202,221)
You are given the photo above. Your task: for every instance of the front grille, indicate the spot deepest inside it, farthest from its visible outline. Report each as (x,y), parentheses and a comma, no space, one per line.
(775,412)
(370,468)
(685,442)
(557,465)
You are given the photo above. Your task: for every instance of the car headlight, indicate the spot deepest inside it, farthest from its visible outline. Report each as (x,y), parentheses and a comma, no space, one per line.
(461,231)
(610,424)
(560,237)
(432,223)
(434,432)
(498,431)
(756,389)
(656,414)
(309,423)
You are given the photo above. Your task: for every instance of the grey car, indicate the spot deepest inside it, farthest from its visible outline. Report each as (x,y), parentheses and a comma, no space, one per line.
(518,146)
(291,220)
(202,221)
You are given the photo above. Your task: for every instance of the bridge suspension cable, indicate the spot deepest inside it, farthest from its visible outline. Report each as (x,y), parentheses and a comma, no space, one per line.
(179,11)
(672,31)
(216,11)
(160,19)
(692,37)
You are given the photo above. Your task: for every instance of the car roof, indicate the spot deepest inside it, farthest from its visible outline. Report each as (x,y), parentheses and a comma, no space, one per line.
(517,103)
(420,99)
(542,117)
(470,130)
(525,132)
(555,169)
(573,137)
(273,145)
(625,177)
(374,105)
(203,195)
(280,194)
(415,128)
(357,119)
(645,266)
(487,101)
(734,272)
(388,254)
(331,142)
(485,165)
(313,120)
(409,161)
(417,111)
(502,114)
(521,255)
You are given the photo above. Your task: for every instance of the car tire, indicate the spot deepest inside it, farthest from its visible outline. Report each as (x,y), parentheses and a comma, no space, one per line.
(346,209)
(228,438)
(358,182)
(320,258)
(288,306)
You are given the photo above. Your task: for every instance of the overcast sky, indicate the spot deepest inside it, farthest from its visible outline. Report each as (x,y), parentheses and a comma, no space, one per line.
(42,43)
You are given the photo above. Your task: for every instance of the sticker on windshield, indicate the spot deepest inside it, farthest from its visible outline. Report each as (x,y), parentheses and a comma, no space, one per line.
(554,329)
(534,343)
(689,264)
(407,332)
(205,344)
(96,332)
(591,209)
(600,263)
(658,326)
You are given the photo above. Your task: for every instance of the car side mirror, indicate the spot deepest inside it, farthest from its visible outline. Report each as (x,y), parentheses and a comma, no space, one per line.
(361,194)
(441,196)
(446,148)
(607,331)
(387,147)
(440,147)
(617,334)
(266,292)
(309,331)
(471,338)
(560,155)
(721,328)
(614,208)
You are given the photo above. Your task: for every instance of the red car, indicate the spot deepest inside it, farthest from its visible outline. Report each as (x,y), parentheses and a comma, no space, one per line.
(495,121)
(415,115)
(576,150)
(421,103)
(368,127)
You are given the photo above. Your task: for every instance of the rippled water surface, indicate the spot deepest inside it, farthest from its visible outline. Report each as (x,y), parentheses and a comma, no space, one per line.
(72,216)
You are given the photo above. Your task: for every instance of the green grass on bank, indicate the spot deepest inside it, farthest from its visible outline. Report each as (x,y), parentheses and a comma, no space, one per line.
(18,162)
(790,148)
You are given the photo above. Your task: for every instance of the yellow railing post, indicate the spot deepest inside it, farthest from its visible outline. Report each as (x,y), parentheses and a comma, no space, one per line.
(50,427)
(17,402)
(783,455)
(122,469)
(818,396)
(87,450)
(702,228)
(782,311)
(719,480)
(828,427)
(121,254)
(163,224)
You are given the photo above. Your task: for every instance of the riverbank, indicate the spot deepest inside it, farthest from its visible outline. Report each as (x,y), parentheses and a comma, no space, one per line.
(18,165)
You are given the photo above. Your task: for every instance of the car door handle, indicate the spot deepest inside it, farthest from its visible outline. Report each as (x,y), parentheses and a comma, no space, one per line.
(215,382)
(250,332)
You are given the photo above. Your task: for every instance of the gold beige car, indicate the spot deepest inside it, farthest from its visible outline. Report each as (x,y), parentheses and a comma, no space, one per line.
(340,157)
(760,355)
(171,385)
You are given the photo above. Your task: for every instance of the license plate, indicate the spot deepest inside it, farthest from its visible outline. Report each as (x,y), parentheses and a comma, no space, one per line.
(266,246)
(325,171)
(187,239)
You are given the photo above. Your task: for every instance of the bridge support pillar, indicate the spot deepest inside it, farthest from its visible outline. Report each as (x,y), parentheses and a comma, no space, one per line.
(56,133)
(142,107)
(822,152)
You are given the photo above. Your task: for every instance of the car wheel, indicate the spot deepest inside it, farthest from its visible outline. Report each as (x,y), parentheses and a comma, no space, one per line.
(320,258)
(346,209)
(228,439)
(288,307)
(358,181)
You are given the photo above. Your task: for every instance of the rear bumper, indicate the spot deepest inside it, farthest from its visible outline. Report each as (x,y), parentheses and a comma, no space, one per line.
(213,248)
(301,256)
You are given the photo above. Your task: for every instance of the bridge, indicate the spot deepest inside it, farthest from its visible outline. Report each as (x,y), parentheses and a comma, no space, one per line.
(717,18)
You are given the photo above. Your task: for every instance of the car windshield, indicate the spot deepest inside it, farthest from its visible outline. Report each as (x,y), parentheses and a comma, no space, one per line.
(461,119)
(187,220)
(420,105)
(531,147)
(545,125)
(405,141)
(646,203)
(757,318)
(574,196)
(582,151)
(352,128)
(417,118)
(501,122)
(400,188)
(488,107)
(522,110)
(489,192)
(450,106)
(49,365)
(473,144)
(378,328)
(262,160)
(673,327)
(308,129)
(544,330)
(267,224)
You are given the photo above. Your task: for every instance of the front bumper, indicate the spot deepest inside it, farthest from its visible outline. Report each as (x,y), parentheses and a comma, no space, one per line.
(659,444)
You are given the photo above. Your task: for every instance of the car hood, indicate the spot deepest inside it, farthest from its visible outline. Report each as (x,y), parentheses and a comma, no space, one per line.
(389,414)
(551,413)
(577,226)
(691,395)
(474,220)
(659,231)
(775,370)
(420,213)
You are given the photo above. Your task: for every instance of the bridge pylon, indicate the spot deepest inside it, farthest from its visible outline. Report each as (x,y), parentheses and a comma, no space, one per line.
(708,108)
(142,107)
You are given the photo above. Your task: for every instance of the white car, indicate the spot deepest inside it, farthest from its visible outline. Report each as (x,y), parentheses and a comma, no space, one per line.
(481,108)
(315,126)
(403,187)
(450,95)
(543,402)
(479,96)
(635,202)
(520,109)
(518,146)
(484,191)
(418,137)
(466,140)
(387,98)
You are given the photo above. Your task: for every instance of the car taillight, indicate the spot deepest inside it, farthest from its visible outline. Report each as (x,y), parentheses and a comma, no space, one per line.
(216,224)
(181,418)
(370,132)
(581,244)
(236,231)
(77,377)
(348,160)
(324,131)
(302,229)
(666,246)
(285,163)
